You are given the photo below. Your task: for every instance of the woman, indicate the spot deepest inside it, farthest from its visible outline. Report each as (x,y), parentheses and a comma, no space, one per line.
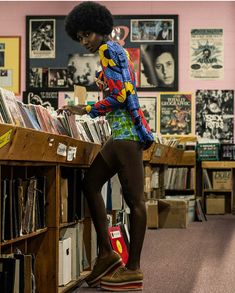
(90,24)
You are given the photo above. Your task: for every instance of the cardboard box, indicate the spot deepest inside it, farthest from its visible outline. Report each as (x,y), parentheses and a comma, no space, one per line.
(173,213)
(152,214)
(215,205)
(222,180)
(191,204)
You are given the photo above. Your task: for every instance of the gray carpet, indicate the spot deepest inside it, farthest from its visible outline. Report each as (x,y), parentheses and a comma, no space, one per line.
(199,259)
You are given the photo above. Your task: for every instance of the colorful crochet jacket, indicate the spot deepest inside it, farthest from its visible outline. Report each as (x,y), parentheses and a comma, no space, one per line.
(120,77)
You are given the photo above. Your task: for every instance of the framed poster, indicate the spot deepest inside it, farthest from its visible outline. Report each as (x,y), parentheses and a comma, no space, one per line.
(10,52)
(207,54)
(176,114)
(148,106)
(215,114)
(55,62)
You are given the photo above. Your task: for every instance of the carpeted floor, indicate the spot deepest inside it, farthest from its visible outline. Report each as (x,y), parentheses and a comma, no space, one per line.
(199,259)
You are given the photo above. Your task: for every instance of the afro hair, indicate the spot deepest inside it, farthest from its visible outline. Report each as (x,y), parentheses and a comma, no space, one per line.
(89,16)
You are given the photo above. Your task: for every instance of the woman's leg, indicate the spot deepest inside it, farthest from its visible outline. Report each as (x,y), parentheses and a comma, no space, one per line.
(96,176)
(131,176)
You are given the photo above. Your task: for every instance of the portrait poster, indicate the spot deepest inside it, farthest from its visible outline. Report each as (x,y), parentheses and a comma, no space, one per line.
(149,108)
(42,38)
(207,54)
(215,114)
(176,114)
(158,67)
(10,52)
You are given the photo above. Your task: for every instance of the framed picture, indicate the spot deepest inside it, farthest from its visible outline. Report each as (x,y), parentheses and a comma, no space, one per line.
(10,52)
(148,106)
(152,43)
(215,114)
(176,114)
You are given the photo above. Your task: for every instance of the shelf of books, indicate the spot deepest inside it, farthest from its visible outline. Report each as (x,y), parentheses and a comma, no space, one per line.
(218,179)
(42,206)
(170,175)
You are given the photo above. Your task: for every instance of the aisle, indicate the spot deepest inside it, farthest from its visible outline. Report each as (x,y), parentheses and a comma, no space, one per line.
(199,259)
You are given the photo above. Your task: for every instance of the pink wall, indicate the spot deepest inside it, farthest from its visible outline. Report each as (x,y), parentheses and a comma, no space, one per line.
(196,14)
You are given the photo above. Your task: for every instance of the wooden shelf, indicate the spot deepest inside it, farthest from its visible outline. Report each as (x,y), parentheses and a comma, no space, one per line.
(218,164)
(23,144)
(217,190)
(73,284)
(25,153)
(23,237)
(214,166)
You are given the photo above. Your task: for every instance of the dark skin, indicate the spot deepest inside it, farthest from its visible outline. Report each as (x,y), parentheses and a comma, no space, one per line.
(92,41)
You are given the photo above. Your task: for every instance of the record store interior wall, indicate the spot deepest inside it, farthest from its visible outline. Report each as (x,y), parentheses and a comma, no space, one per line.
(192,15)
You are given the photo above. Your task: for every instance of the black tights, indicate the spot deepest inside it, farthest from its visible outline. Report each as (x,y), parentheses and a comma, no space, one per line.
(129,166)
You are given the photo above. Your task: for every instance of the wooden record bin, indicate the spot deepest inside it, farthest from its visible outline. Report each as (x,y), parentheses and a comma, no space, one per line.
(27,154)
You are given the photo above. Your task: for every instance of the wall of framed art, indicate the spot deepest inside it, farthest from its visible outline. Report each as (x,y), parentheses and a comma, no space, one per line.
(56,62)
(191,14)
(196,20)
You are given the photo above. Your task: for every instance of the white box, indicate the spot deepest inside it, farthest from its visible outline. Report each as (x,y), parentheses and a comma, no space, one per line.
(65,261)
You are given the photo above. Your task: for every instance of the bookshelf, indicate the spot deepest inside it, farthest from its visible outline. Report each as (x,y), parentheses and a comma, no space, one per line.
(162,157)
(180,176)
(222,186)
(27,153)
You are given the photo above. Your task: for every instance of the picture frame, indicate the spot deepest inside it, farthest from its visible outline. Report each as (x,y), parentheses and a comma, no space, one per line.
(10,61)
(149,108)
(150,53)
(176,114)
(214,118)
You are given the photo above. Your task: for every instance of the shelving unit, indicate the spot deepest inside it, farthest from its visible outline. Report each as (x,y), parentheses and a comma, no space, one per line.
(25,153)
(213,166)
(183,170)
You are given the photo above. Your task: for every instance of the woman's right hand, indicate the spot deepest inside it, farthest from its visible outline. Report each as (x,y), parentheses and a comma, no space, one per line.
(75,110)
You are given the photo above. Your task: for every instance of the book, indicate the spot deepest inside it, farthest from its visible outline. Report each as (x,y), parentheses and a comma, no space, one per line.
(7,211)
(65,261)
(25,283)
(12,107)
(70,232)
(63,200)
(200,214)
(118,242)
(9,274)
(206,179)
(5,113)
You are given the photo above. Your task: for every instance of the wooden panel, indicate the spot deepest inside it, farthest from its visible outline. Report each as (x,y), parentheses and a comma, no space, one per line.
(46,250)
(218,164)
(31,145)
(188,158)
(147,154)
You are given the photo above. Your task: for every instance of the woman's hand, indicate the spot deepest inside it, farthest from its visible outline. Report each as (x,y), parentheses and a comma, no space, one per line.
(75,110)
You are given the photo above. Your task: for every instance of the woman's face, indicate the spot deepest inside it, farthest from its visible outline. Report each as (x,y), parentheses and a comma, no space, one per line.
(165,68)
(90,40)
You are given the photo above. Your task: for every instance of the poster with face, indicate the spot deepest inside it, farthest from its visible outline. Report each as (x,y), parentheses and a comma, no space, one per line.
(158,68)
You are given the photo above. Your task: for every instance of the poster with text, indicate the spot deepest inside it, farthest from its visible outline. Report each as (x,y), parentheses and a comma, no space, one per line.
(215,114)
(175,114)
(207,54)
